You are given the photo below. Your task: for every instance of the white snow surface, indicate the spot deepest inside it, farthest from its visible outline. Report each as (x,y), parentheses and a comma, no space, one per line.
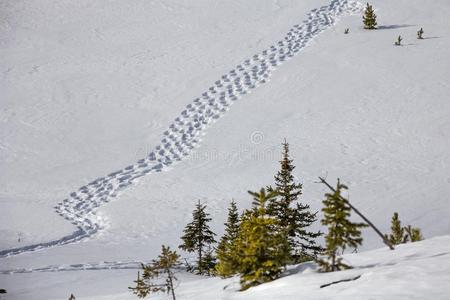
(89,89)
(412,271)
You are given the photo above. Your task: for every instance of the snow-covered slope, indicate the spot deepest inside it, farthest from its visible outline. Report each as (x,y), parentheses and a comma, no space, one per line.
(183,134)
(89,88)
(413,271)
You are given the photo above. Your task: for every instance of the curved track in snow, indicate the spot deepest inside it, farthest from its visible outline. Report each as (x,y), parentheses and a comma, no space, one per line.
(183,134)
(104,265)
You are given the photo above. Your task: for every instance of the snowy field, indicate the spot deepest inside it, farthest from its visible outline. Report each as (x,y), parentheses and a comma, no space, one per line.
(89,89)
(412,271)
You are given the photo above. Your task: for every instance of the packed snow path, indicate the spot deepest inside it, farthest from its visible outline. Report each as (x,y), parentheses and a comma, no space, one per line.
(184,133)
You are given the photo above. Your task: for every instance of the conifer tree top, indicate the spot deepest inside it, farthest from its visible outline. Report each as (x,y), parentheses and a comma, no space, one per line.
(260,199)
(197,233)
(285,184)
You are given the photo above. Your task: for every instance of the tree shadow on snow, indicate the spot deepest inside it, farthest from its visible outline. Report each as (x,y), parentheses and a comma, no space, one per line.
(383,27)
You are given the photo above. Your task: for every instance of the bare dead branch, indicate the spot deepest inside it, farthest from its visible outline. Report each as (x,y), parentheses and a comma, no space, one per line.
(339,281)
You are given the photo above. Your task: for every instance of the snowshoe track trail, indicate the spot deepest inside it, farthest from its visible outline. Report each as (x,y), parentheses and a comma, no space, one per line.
(104,265)
(183,135)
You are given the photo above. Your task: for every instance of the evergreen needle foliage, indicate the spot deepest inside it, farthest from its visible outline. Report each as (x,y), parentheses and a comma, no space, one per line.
(293,215)
(397,235)
(401,235)
(198,237)
(228,266)
(342,233)
(414,234)
(159,269)
(369,18)
(262,249)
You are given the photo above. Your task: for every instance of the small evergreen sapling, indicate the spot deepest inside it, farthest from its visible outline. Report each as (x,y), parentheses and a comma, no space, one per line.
(159,269)
(353,208)
(209,262)
(342,233)
(414,234)
(399,41)
(397,235)
(294,216)
(262,249)
(198,237)
(420,34)
(369,18)
(401,235)
(227,265)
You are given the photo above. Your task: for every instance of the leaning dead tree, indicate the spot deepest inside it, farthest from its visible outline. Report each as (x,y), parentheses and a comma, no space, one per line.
(385,240)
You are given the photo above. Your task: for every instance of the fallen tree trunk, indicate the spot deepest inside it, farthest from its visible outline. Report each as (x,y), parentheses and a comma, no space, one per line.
(339,281)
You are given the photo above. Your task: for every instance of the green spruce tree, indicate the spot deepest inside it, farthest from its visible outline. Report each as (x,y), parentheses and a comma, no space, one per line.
(262,249)
(397,235)
(294,216)
(342,233)
(198,236)
(369,18)
(158,276)
(227,265)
